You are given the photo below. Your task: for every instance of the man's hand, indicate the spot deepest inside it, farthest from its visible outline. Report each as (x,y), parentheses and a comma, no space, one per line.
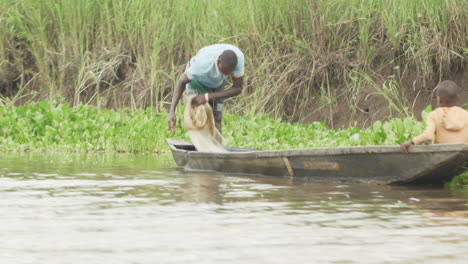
(200,99)
(404,146)
(171,120)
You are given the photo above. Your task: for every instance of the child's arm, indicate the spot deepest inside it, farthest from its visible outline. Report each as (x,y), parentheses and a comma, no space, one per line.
(427,135)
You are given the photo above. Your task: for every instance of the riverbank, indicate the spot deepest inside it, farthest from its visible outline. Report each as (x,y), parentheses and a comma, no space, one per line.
(305,62)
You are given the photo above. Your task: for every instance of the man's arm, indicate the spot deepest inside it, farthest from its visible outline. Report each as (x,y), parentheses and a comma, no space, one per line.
(179,89)
(236,89)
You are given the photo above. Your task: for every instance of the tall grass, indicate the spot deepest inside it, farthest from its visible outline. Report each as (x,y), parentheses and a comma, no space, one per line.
(300,54)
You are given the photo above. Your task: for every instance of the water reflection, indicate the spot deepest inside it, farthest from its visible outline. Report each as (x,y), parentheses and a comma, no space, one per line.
(203,188)
(138,209)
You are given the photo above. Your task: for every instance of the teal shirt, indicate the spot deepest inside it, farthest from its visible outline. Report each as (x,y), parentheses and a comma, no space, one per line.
(203,66)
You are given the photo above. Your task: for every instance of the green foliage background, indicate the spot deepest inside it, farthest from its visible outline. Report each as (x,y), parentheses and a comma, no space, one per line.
(55,126)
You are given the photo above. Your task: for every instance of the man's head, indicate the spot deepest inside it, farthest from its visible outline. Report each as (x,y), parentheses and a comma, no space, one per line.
(227,62)
(447,93)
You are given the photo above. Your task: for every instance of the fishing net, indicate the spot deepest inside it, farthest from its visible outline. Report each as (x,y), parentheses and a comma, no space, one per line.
(200,123)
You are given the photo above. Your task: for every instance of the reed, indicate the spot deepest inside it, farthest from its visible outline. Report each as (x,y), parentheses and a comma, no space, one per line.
(118,53)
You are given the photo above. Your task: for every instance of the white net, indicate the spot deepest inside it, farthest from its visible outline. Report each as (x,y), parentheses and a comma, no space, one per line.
(199,121)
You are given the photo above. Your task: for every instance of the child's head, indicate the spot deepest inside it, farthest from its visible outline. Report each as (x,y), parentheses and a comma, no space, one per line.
(447,93)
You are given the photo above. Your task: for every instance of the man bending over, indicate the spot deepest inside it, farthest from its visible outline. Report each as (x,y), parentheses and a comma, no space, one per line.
(206,75)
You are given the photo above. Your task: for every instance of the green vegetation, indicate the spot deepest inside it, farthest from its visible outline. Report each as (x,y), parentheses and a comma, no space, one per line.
(46,125)
(459,183)
(59,127)
(261,131)
(301,54)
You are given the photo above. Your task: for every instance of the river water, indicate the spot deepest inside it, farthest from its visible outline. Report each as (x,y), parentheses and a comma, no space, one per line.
(120,208)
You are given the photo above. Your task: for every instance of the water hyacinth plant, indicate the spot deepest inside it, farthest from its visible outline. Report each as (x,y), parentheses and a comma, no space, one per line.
(47,125)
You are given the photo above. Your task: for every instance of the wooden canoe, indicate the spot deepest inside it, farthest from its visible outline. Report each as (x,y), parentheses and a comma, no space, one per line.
(425,165)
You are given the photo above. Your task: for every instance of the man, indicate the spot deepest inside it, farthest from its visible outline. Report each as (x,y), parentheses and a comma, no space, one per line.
(446,124)
(206,76)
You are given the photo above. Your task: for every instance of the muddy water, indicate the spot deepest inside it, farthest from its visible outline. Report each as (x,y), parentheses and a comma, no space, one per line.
(58,208)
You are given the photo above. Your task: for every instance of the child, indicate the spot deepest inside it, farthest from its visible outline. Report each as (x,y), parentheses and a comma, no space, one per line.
(446,124)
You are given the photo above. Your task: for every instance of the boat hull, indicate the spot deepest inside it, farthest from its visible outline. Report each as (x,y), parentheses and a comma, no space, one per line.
(432,164)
